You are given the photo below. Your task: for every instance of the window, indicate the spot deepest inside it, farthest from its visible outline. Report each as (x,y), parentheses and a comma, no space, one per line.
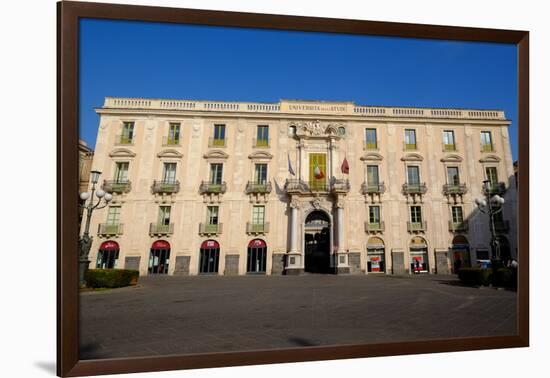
(260,174)
(458,216)
(416,214)
(212,215)
(216,171)
(374,214)
(121,172)
(169,175)
(486,141)
(372,175)
(410,139)
(173,134)
(127,136)
(413,175)
(371,142)
(452,176)
(449,140)
(219,135)
(258,214)
(113,215)
(491,175)
(164,215)
(262,138)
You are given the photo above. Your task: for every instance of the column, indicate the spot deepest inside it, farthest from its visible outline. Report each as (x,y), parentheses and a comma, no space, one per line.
(340,220)
(293,228)
(340,257)
(294,264)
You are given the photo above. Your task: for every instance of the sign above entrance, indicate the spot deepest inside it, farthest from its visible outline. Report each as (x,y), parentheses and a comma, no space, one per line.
(209,244)
(109,244)
(257,243)
(316,107)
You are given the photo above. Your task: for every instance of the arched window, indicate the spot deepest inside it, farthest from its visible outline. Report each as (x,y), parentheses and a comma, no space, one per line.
(107,257)
(256,256)
(159,257)
(209,257)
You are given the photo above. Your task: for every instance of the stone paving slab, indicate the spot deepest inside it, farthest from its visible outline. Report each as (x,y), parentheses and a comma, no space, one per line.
(201,314)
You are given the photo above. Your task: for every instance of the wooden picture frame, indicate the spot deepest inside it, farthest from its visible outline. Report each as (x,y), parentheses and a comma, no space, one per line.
(69,13)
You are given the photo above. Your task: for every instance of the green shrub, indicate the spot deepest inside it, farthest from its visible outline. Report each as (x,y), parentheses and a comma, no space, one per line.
(506,277)
(111,278)
(475,276)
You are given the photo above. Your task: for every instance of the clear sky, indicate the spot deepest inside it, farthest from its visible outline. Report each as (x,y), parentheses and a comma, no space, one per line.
(152,60)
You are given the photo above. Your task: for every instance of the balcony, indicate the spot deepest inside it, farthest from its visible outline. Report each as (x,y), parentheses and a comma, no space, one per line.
(378,188)
(295,186)
(414,188)
(161,229)
(257,228)
(416,226)
(409,146)
(210,229)
(254,187)
(260,143)
(165,187)
(490,147)
(106,229)
(495,188)
(458,226)
(502,226)
(212,188)
(305,187)
(217,142)
(452,189)
(449,147)
(370,146)
(124,140)
(339,185)
(168,141)
(117,186)
(375,227)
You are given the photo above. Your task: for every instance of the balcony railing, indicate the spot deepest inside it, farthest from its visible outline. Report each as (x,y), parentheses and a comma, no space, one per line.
(166,186)
(260,143)
(375,226)
(117,186)
(448,147)
(300,186)
(109,229)
(217,142)
(414,188)
(257,228)
(254,187)
(416,226)
(490,147)
(495,188)
(124,140)
(449,189)
(210,229)
(409,146)
(502,226)
(339,185)
(170,141)
(295,186)
(370,146)
(458,226)
(378,188)
(161,229)
(212,188)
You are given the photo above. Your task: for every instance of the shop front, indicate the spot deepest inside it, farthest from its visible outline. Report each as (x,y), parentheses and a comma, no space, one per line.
(376,262)
(209,257)
(461,253)
(107,256)
(418,251)
(159,258)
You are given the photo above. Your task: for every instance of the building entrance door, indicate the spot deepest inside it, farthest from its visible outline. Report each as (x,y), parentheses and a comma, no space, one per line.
(209,257)
(159,257)
(317,243)
(256,256)
(107,256)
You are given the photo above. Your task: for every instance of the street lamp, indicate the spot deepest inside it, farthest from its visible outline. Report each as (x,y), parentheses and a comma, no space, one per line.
(491,205)
(85,242)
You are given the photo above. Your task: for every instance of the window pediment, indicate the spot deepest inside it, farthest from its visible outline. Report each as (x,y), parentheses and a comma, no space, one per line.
(451,159)
(215,154)
(412,157)
(260,155)
(372,157)
(122,152)
(170,154)
(490,159)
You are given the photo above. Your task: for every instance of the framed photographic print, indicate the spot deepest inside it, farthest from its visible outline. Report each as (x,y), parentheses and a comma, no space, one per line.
(241,188)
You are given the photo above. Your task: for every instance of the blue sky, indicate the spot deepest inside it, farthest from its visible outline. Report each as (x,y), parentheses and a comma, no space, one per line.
(142,59)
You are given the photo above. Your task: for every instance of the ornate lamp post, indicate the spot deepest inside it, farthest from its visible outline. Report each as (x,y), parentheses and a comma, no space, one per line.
(85,242)
(491,205)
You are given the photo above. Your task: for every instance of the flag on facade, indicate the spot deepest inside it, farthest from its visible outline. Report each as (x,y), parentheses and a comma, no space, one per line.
(290,170)
(318,172)
(345,166)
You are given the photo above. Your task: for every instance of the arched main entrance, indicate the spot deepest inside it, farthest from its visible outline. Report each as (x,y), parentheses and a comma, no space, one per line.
(461,253)
(376,262)
(317,242)
(419,255)
(159,257)
(107,256)
(209,257)
(256,256)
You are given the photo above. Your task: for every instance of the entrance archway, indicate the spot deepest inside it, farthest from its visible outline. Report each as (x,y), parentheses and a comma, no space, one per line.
(419,255)
(376,262)
(107,256)
(461,253)
(159,257)
(317,242)
(209,257)
(256,256)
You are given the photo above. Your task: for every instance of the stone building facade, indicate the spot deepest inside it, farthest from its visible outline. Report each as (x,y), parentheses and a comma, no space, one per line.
(205,187)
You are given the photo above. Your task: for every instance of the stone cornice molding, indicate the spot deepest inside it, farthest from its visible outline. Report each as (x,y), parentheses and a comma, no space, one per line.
(170,154)
(451,159)
(412,157)
(122,152)
(490,159)
(215,154)
(260,155)
(372,156)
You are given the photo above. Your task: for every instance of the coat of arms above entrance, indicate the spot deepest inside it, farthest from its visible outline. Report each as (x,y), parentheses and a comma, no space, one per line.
(317,128)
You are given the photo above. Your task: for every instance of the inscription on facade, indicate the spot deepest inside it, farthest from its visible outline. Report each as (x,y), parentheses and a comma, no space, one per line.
(301,107)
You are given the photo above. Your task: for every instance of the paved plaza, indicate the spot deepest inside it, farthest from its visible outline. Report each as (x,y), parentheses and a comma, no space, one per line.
(198,314)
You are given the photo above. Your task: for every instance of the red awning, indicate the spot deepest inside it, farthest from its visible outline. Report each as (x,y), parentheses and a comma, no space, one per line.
(207,244)
(160,244)
(257,243)
(109,244)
